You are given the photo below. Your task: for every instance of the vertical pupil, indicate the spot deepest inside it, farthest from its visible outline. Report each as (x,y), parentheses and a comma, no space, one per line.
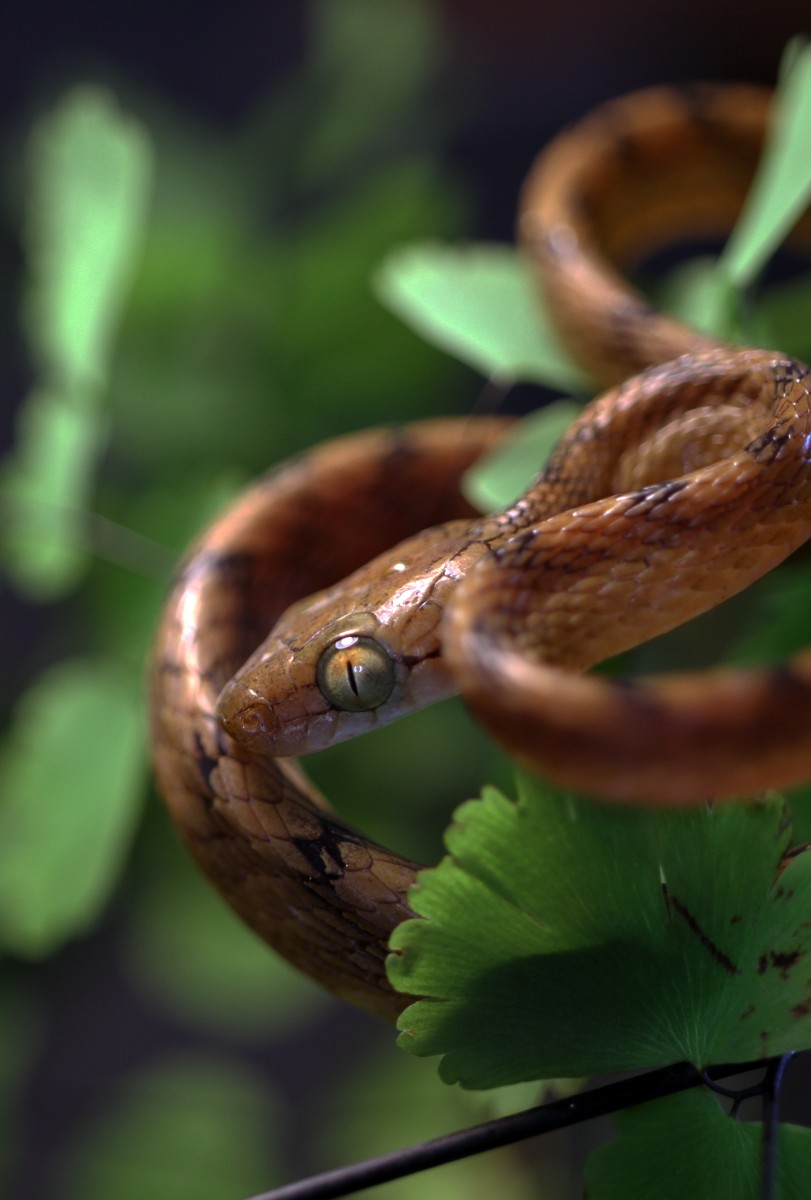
(355,674)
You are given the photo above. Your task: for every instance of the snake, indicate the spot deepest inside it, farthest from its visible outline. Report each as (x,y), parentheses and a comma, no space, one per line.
(355,583)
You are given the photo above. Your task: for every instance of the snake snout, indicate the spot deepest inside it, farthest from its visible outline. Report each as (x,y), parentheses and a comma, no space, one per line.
(245,716)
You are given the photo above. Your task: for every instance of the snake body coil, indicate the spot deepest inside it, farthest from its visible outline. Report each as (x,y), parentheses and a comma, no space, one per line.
(672,491)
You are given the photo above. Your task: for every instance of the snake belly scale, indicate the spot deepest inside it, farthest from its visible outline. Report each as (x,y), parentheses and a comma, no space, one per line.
(354,584)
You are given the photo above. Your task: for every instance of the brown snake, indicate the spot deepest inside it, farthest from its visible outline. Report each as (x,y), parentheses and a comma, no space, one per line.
(671,492)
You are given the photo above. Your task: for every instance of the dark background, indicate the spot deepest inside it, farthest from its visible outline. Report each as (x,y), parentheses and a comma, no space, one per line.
(522,68)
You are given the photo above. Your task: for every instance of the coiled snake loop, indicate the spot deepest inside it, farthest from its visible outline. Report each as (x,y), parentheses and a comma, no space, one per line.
(674,489)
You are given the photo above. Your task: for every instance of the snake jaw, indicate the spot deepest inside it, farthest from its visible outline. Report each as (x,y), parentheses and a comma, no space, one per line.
(286,725)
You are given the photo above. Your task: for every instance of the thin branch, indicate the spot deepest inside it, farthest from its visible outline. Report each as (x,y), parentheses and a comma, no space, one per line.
(504,1131)
(738,1095)
(771,1096)
(102,538)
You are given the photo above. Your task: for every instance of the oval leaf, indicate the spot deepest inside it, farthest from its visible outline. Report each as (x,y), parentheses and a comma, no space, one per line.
(476,302)
(71,777)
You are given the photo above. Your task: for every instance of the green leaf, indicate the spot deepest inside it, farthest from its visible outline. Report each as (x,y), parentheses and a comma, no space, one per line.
(685,1148)
(782,317)
(90,173)
(71,777)
(497,479)
(187,1129)
(89,177)
(45,488)
(779,628)
(477,302)
(332,328)
(369,65)
(782,187)
(701,295)
(567,938)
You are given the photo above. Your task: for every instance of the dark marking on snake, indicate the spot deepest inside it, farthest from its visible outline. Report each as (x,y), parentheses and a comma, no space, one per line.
(648,499)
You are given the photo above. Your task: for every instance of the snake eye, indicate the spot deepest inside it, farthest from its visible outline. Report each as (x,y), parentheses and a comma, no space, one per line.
(355,674)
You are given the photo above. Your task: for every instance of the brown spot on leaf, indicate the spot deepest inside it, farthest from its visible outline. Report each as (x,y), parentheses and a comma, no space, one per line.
(793,852)
(784,961)
(716,953)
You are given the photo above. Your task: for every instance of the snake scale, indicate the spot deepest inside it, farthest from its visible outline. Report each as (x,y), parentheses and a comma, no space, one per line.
(676,488)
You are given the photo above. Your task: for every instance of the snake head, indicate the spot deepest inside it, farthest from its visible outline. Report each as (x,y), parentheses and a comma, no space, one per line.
(351,658)
(290,700)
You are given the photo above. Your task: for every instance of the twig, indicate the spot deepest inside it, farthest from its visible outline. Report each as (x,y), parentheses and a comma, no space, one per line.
(771,1096)
(504,1131)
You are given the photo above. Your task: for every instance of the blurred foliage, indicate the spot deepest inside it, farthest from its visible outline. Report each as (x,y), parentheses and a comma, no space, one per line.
(478,302)
(188,951)
(88,180)
(197,306)
(248,332)
(181,1130)
(780,193)
(499,478)
(56,874)
(398,1098)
